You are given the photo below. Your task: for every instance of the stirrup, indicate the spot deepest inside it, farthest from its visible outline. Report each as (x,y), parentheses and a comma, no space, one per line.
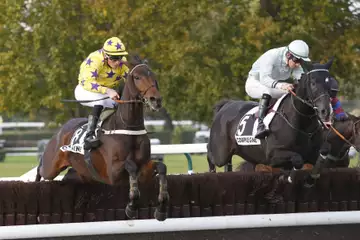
(91,142)
(262,133)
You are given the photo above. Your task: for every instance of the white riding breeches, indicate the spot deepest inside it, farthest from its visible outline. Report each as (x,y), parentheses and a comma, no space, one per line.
(255,89)
(82,94)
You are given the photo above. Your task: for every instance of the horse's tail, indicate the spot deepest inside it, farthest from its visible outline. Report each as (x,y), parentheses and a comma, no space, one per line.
(220,104)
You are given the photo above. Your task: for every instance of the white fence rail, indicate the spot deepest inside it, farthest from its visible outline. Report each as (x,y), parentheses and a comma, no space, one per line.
(179,224)
(22,125)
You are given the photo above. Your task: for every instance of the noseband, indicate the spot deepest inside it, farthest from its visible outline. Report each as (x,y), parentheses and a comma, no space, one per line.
(141,94)
(311,101)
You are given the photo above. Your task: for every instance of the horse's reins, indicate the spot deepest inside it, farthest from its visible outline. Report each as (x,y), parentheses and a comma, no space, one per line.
(312,101)
(312,106)
(331,127)
(343,138)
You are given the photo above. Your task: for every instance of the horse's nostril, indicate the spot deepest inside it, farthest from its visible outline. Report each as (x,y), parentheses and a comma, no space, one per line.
(323,111)
(159,101)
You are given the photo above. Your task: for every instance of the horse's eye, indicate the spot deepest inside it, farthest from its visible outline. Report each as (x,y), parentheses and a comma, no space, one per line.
(137,78)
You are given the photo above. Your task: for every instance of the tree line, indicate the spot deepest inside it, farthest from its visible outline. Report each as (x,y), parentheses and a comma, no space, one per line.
(200,50)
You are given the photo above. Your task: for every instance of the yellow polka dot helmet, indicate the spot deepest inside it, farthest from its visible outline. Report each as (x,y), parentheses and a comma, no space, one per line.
(114,47)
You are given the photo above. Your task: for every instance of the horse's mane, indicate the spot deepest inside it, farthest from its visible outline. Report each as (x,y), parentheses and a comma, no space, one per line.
(134,59)
(220,104)
(352,117)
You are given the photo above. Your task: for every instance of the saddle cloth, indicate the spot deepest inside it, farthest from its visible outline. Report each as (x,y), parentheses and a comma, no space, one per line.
(76,144)
(247,126)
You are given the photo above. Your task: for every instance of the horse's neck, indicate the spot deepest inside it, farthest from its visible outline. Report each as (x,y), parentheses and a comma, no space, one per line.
(300,114)
(129,115)
(338,145)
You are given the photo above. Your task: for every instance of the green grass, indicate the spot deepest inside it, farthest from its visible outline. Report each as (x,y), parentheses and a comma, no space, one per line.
(178,163)
(16,166)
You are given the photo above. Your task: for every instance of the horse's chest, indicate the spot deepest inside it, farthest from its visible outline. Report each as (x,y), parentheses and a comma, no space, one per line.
(291,140)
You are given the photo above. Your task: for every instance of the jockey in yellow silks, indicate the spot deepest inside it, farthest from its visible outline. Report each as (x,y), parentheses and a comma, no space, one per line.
(100,74)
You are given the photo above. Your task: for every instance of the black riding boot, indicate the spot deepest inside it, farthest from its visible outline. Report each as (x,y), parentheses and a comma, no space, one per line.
(91,141)
(262,132)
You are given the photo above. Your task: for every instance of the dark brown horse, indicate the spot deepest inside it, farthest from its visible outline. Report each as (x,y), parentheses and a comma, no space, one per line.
(334,152)
(125,149)
(295,131)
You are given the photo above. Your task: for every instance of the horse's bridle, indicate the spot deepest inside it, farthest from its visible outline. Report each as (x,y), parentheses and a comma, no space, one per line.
(311,101)
(141,94)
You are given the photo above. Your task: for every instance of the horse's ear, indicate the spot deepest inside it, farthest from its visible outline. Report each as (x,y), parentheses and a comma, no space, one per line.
(306,66)
(329,63)
(137,58)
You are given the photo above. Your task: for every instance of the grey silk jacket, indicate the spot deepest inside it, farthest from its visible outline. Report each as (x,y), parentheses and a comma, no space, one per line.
(271,67)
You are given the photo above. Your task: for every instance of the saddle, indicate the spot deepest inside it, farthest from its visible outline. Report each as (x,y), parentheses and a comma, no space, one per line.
(247,127)
(76,144)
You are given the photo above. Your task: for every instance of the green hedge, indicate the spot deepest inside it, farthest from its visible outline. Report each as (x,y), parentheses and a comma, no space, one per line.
(187,136)
(164,137)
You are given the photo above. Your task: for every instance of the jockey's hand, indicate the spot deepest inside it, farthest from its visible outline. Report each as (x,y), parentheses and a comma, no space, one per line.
(285,86)
(112,94)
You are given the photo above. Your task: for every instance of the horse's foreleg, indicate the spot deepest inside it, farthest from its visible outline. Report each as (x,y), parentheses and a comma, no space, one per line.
(271,196)
(321,163)
(134,193)
(160,212)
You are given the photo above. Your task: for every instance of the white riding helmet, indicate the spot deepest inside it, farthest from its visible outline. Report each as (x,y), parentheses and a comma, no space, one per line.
(299,49)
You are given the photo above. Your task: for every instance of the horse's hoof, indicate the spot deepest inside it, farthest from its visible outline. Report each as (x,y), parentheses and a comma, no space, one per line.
(134,194)
(130,213)
(284,179)
(309,182)
(160,216)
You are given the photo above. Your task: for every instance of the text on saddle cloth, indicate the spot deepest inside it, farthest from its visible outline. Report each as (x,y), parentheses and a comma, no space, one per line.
(76,144)
(248,124)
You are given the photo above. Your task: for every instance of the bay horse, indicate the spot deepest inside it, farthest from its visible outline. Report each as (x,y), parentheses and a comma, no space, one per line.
(338,140)
(295,130)
(124,154)
(334,152)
